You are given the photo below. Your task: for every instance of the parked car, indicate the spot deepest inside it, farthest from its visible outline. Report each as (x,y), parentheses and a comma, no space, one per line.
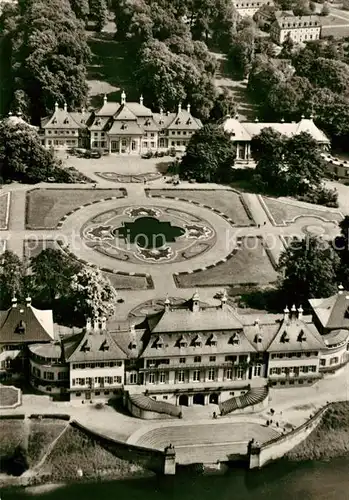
(172,152)
(95,154)
(147,155)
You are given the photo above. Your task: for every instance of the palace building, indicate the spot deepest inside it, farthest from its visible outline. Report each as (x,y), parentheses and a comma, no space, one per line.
(298,28)
(242,133)
(188,353)
(120,128)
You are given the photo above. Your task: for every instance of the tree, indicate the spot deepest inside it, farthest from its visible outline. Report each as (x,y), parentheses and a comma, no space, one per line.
(12,272)
(286,99)
(305,165)
(80,8)
(224,105)
(49,54)
(241,51)
(342,248)
(325,10)
(92,293)
(269,150)
(24,159)
(52,272)
(345,5)
(209,156)
(98,13)
(287,48)
(312,7)
(308,269)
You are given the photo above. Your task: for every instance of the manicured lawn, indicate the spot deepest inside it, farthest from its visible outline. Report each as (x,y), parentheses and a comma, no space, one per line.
(74,450)
(12,435)
(111,69)
(283,211)
(8,396)
(249,265)
(228,202)
(4,210)
(42,433)
(45,207)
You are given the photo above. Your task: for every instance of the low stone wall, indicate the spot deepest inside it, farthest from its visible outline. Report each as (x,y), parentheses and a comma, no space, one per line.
(153,460)
(278,447)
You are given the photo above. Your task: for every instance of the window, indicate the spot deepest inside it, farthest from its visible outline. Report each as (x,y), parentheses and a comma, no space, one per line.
(322,362)
(108,380)
(106,393)
(97,393)
(240,373)
(151,378)
(133,378)
(184,132)
(173,143)
(334,361)
(162,377)
(164,397)
(49,376)
(232,359)
(117,380)
(243,358)
(182,360)
(180,376)
(151,362)
(152,144)
(152,134)
(178,132)
(197,359)
(196,376)
(78,394)
(257,370)
(211,374)
(212,359)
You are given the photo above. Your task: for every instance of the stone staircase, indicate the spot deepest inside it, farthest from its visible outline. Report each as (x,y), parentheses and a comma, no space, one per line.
(146,403)
(252,397)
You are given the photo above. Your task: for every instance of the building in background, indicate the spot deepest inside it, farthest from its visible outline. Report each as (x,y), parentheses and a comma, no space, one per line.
(242,133)
(298,28)
(120,128)
(248,8)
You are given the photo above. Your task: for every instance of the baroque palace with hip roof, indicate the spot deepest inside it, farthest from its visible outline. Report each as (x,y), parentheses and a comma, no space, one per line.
(185,354)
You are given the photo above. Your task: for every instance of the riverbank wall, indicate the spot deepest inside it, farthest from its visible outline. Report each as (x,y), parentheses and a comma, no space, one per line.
(260,455)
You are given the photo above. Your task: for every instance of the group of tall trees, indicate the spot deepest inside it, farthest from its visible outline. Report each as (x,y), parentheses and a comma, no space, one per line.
(313,80)
(314,267)
(45,51)
(55,281)
(291,166)
(170,45)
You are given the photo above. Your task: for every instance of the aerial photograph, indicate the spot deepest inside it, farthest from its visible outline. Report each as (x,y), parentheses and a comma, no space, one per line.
(174,249)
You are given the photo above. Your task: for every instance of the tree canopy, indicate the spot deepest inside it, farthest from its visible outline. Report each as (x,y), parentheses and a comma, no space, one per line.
(209,156)
(48,53)
(24,159)
(308,269)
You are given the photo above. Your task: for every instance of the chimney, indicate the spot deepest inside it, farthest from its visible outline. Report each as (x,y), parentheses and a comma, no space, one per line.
(56,106)
(179,107)
(88,325)
(65,106)
(224,299)
(256,120)
(104,323)
(14,301)
(141,100)
(28,301)
(123,97)
(256,322)
(293,314)
(105,99)
(188,108)
(340,289)
(167,304)
(300,312)
(196,302)
(95,324)
(286,313)
(10,113)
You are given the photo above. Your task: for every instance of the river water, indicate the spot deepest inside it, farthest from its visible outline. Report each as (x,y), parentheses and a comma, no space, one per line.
(281,481)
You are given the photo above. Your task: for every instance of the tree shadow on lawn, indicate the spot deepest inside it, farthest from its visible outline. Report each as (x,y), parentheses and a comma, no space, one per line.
(271,300)
(113,62)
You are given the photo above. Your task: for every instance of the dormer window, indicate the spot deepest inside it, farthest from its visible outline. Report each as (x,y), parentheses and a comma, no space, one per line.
(20,328)
(258,338)
(124,126)
(133,345)
(178,121)
(189,122)
(66,121)
(82,120)
(197,342)
(98,121)
(235,339)
(85,347)
(212,340)
(104,346)
(284,337)
(54,120)
(147,123)
(301,337)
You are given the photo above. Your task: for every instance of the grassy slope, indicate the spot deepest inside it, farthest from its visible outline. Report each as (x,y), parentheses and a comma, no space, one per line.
(330,439)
